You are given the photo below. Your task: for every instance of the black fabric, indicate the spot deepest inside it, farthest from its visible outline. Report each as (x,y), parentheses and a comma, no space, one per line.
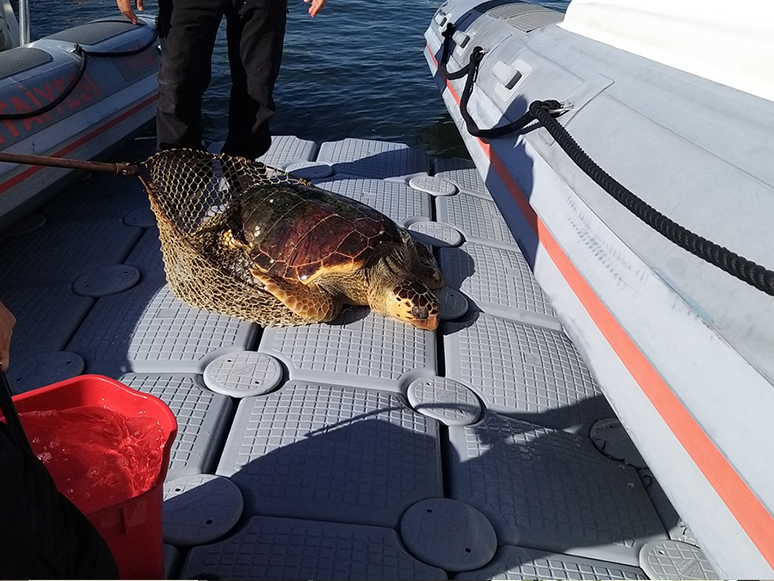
(255,32)
(42,534)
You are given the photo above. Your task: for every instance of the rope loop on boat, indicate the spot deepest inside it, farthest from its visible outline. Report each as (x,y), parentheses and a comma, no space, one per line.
(471,71)
(735,265)
(79,51)
(447,34)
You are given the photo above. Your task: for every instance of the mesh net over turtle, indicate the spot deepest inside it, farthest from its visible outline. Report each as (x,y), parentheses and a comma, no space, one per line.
(191,193)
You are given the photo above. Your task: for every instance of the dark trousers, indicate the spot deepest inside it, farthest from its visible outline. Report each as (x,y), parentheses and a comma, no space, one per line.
(255,31)
(42,534)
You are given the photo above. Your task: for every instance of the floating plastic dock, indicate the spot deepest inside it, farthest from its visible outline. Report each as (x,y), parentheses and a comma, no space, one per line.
(366,448)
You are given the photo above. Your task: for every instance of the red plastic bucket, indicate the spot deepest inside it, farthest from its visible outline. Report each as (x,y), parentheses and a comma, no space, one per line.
(131,527)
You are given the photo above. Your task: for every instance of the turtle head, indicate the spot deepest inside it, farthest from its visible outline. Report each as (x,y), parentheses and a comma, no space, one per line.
(411,301)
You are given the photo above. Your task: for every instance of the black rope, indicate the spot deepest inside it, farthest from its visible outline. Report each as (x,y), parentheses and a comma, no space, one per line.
(83,54)
(545,113)
(442,66)
(475,59)
(56,102)
(735,265)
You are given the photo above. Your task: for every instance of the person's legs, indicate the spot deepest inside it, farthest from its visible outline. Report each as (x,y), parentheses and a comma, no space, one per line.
(256,32)
(187,29)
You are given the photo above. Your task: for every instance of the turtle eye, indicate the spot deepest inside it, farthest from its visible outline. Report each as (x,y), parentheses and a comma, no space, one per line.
(419,312)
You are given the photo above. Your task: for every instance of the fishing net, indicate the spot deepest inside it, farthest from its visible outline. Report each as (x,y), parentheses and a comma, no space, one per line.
(194,195)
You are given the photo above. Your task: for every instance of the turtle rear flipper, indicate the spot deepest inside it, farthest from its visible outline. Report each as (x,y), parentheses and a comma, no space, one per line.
(308,302)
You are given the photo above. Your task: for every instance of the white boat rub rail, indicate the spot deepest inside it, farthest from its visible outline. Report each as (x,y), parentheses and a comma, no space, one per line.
(668,338)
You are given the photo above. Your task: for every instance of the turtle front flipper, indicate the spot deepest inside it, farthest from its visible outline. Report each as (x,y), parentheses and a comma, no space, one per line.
(311,303)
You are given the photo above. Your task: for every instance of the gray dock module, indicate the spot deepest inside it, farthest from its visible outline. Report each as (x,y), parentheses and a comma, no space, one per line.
(33,371)
(146,256)
(281,548)
(60,252)
(499,281)
(359,349)
(448,534)
(436,234)
(463,174)
(288,149)
(200,509)
(551,490)
(102,281)
(47,315)
(243,374)
(102,197)
(373,159)
(146,329)
(331,453)
(524,371)
(519,563)
(433,185)
(394,199)
(476,217)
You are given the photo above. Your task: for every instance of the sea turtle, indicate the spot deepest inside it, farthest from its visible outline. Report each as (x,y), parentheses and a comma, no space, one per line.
(315,251)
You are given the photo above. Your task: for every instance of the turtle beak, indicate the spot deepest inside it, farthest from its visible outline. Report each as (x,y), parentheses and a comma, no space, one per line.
(423,319)
(429,324)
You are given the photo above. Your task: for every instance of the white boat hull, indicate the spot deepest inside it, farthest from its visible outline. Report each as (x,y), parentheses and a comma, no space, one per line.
(114,100)
(681,349)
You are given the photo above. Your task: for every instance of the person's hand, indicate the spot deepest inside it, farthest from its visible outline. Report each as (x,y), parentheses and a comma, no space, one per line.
(125,6)
(314,8)
(7,322)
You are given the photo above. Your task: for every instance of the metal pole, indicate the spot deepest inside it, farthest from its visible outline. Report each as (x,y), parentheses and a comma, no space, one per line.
(122,169)
(24,22)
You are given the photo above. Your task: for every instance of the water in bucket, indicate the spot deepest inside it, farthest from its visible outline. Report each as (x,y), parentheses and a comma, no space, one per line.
(97,456)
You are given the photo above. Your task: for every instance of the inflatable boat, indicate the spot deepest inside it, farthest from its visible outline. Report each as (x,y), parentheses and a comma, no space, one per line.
(79,93)
(628,144)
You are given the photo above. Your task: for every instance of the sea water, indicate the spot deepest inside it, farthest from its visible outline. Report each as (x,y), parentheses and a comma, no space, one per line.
(356,70)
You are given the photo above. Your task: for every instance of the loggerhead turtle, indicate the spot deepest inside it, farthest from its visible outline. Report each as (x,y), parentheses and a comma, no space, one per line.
(315,251)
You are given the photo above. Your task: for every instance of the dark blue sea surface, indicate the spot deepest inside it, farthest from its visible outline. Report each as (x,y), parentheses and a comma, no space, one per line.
(356,70)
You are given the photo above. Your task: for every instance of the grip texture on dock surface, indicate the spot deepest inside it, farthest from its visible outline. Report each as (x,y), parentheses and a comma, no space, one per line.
(332,453)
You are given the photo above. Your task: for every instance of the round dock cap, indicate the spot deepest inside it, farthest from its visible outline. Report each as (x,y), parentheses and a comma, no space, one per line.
(106,280)
(445,400)
(436,234)
(309,170)
(243,374)
(140,218)
(33,371)
(453,303)
(448,534)
(675,560)
(199,509)
(25,225)
(611,439)
(433,185)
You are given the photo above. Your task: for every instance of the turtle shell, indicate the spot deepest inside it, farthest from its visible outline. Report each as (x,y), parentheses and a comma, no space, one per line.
(300,232)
